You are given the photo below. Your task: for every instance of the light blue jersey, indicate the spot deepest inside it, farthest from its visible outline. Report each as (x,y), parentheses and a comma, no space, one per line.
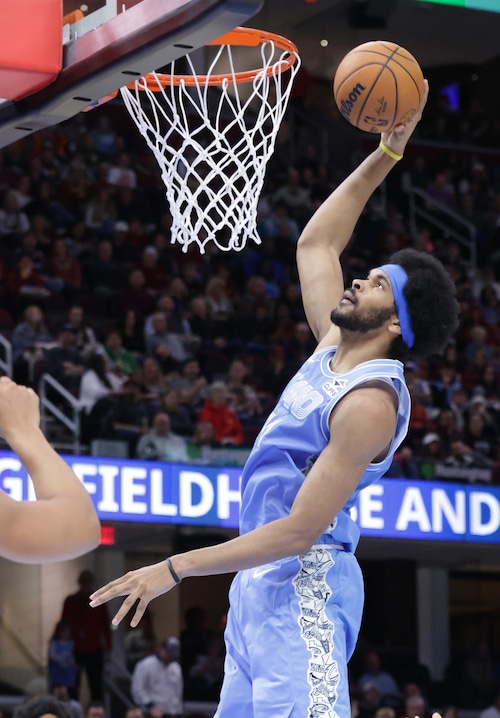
(293,623)
(298,429)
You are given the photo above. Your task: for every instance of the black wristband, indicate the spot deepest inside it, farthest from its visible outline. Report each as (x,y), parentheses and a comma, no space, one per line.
(172,571)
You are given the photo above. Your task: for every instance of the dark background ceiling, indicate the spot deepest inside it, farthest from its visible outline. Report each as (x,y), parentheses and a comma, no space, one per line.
(438,35)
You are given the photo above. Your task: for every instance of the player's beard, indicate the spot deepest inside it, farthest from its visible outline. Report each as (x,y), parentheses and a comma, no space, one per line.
(355,321)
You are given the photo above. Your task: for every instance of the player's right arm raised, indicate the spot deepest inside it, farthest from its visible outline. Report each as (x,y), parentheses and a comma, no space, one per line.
(327,233)
(62,522)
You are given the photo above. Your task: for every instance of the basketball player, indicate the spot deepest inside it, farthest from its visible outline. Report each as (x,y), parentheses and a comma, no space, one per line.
(62,522)
(296,601)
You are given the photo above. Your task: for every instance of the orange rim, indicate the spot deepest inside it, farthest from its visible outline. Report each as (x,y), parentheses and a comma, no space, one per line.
(240,36)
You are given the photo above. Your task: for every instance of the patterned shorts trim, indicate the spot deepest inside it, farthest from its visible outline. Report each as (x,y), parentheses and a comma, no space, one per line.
(317,630)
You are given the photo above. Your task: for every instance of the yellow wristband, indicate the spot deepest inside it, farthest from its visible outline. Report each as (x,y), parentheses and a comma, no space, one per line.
(389,152)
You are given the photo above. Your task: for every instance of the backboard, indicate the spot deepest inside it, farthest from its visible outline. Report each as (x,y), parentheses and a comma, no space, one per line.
(115,42)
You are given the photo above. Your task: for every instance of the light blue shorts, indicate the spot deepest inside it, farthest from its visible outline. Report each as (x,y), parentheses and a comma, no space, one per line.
(292,627)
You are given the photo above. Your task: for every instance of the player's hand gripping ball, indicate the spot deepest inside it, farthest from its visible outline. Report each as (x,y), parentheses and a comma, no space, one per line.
(377,86)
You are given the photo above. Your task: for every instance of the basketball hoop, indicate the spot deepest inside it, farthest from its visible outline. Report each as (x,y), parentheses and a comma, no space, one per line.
(212,144)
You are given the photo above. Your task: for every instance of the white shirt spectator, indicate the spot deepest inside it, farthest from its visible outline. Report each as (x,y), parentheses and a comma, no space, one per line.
(161,444)
(157,681)
(92,388)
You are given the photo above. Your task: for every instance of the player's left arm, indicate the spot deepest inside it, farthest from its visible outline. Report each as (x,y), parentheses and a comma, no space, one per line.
(363,426)
(62,522)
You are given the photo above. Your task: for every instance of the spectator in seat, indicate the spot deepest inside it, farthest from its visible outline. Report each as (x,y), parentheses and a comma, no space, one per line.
(163,345)
(228,429)
(296,197)
(85,339)
(291,296)
(120,360)
(191,384)
(212,332)
(13,221)
(100,212)
(103,137)
(180,416)
(61,659)
(24,284)
(205,676)
(458,406)
(256,297)
(480,432)
(42,706)
(121,174)
(62,694)
(415,707)
(479,675)
(300,346)
(177,320)
(98,390)
(63,361)
(242,395)
(132,330)
(30,339)
(155,277)
(443,386)
(462,456)
(274,376)
(220,306)
(202,440)
(123,251)
(283,326)
(103,273)
(279,224)
(369,701)
(445,425)
(157,683)
(152,378)
(66,268)
(373,674)
(131,414)
(161,444)
(135,295)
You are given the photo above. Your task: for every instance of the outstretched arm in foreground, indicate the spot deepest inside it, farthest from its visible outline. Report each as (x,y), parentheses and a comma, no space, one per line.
(363,425)
(62,522)
(327,233)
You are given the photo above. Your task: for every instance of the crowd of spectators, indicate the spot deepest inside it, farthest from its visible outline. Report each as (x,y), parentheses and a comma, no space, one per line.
(174,351)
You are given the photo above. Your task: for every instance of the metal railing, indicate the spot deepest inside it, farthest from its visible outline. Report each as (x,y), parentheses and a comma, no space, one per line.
(48,408)
(6,359)
(446,221)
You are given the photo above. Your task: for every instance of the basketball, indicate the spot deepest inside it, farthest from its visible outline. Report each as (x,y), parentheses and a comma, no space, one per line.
(377,86)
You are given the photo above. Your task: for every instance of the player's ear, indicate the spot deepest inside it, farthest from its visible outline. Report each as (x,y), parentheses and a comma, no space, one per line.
(394,327)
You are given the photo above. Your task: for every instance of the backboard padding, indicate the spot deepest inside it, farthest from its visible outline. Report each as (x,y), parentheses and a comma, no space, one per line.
(145,37)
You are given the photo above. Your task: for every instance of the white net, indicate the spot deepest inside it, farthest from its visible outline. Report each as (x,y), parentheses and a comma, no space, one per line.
(211,145)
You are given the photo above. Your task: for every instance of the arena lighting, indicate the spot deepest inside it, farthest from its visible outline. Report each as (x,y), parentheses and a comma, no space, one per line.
(491,5)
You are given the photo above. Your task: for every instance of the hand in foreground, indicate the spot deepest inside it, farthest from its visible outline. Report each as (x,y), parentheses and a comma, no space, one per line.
(398,138)
(19,408)
(141,585)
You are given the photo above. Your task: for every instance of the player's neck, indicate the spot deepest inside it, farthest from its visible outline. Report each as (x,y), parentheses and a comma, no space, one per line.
(353,350)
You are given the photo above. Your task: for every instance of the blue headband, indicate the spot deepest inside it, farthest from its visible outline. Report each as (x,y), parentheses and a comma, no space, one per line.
(398,278)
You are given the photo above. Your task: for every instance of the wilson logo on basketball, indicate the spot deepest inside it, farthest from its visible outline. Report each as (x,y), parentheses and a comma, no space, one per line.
(347,105)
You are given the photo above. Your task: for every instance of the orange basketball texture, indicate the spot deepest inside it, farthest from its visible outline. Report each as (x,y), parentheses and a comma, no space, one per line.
(378,85)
